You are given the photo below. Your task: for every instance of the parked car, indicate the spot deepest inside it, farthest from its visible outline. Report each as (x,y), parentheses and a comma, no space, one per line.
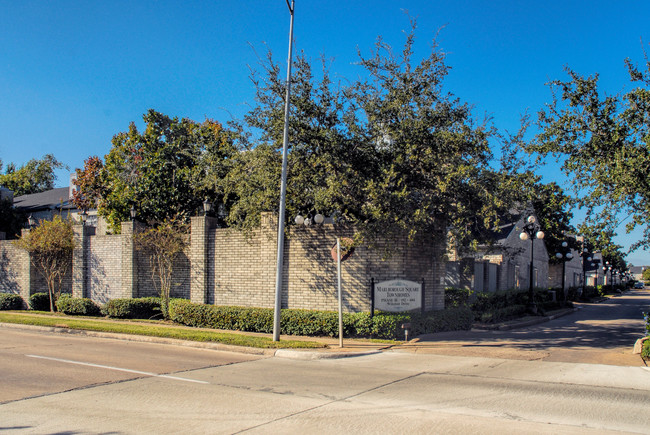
(639,284)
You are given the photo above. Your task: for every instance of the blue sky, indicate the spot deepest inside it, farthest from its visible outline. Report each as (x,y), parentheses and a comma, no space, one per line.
(75,73)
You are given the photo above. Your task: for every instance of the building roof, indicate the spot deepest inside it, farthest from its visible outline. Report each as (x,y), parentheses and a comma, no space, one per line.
(48,200)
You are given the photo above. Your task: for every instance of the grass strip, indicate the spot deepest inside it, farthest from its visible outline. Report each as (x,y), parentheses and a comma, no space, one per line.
(150,330)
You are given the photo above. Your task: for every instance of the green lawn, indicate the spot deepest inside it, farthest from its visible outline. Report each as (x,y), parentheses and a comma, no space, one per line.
(149,328)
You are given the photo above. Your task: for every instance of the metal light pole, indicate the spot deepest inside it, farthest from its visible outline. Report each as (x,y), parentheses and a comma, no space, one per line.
(531,231)
(283,189)
(564,256)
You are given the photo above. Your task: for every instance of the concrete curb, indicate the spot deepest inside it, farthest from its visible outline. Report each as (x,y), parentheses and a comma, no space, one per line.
(314,355)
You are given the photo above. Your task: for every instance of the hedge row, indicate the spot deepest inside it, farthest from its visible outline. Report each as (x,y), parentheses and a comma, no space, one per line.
(317,323)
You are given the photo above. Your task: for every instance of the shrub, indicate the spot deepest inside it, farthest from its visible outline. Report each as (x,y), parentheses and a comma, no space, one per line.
(318,323)
(77,306)
(645,353)
(39,302)
(457,297)
(646,317)
(10,301)
(501,314)
(138,308)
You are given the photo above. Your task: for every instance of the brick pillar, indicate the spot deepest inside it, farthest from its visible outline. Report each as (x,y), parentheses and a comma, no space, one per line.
(269,258)
(80,261)
(199,258)
(27,273)
(129,263)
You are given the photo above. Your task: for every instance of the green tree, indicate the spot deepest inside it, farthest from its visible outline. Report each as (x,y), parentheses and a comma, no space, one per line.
(162,243)
(50,247)
(393,153)
(166,170)
(603,143)
(11,220)
(37,175)
(600,238)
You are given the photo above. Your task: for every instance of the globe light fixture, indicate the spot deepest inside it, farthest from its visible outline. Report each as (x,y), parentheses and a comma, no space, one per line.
(531,231)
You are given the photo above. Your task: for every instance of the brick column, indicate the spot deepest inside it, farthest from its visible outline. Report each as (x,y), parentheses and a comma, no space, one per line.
(80,261)
(27,273)
(129,264)
(269,258)
(199,258)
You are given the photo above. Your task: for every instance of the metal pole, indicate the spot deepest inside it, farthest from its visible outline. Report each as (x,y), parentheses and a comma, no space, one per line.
(338,266)
(283,191)
(564,278)
(532,305)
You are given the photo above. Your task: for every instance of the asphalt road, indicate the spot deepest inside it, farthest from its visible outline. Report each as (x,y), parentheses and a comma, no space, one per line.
(600,333)
(55,383)
(34,364)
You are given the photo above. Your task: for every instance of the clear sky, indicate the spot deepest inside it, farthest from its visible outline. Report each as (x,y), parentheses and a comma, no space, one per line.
(75,73)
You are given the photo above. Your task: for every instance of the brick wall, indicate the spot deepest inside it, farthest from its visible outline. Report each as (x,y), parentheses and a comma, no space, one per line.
(221,266)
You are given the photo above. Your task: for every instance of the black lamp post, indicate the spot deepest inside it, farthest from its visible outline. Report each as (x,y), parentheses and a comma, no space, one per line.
(531,231)
(586,261)
(132,211)
(607,267)
(84,217)
(207,207)
(564,256)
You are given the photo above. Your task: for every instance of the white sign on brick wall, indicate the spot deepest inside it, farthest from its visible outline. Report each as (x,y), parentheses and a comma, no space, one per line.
(398,295)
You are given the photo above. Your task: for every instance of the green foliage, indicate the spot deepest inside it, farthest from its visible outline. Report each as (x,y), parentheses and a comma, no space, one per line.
(33,177)
(646,317)
(66,304)
(603,142)
(317,323)
(50,247)
(457,297)
(39,302)
(11,301)
(164,171)
(393,153)
(645,353)
(502,314)
(152,330)
(139,308)
(11,220)
(600,238)
(163,243)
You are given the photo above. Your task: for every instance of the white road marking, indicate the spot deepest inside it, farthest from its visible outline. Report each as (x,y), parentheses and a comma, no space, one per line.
(119,369)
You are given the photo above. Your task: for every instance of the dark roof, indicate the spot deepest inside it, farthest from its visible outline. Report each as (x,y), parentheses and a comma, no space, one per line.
(50,199)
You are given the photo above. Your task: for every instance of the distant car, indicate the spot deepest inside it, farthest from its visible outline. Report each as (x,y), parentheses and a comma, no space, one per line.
(638,284)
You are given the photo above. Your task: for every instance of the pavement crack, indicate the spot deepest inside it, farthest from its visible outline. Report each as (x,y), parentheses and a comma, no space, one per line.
(342,399)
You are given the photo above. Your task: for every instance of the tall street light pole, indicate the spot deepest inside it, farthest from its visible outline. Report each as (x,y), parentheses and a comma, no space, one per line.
(532,232)
(283,189)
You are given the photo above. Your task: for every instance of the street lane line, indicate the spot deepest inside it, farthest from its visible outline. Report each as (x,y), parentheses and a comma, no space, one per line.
(119,369)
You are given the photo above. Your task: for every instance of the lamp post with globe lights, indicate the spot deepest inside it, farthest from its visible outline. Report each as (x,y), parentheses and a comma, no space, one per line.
(586,262)
(607,267)
(564,256)
(531,231)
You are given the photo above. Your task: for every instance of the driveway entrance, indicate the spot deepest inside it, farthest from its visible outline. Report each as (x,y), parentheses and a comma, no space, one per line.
(602,333)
